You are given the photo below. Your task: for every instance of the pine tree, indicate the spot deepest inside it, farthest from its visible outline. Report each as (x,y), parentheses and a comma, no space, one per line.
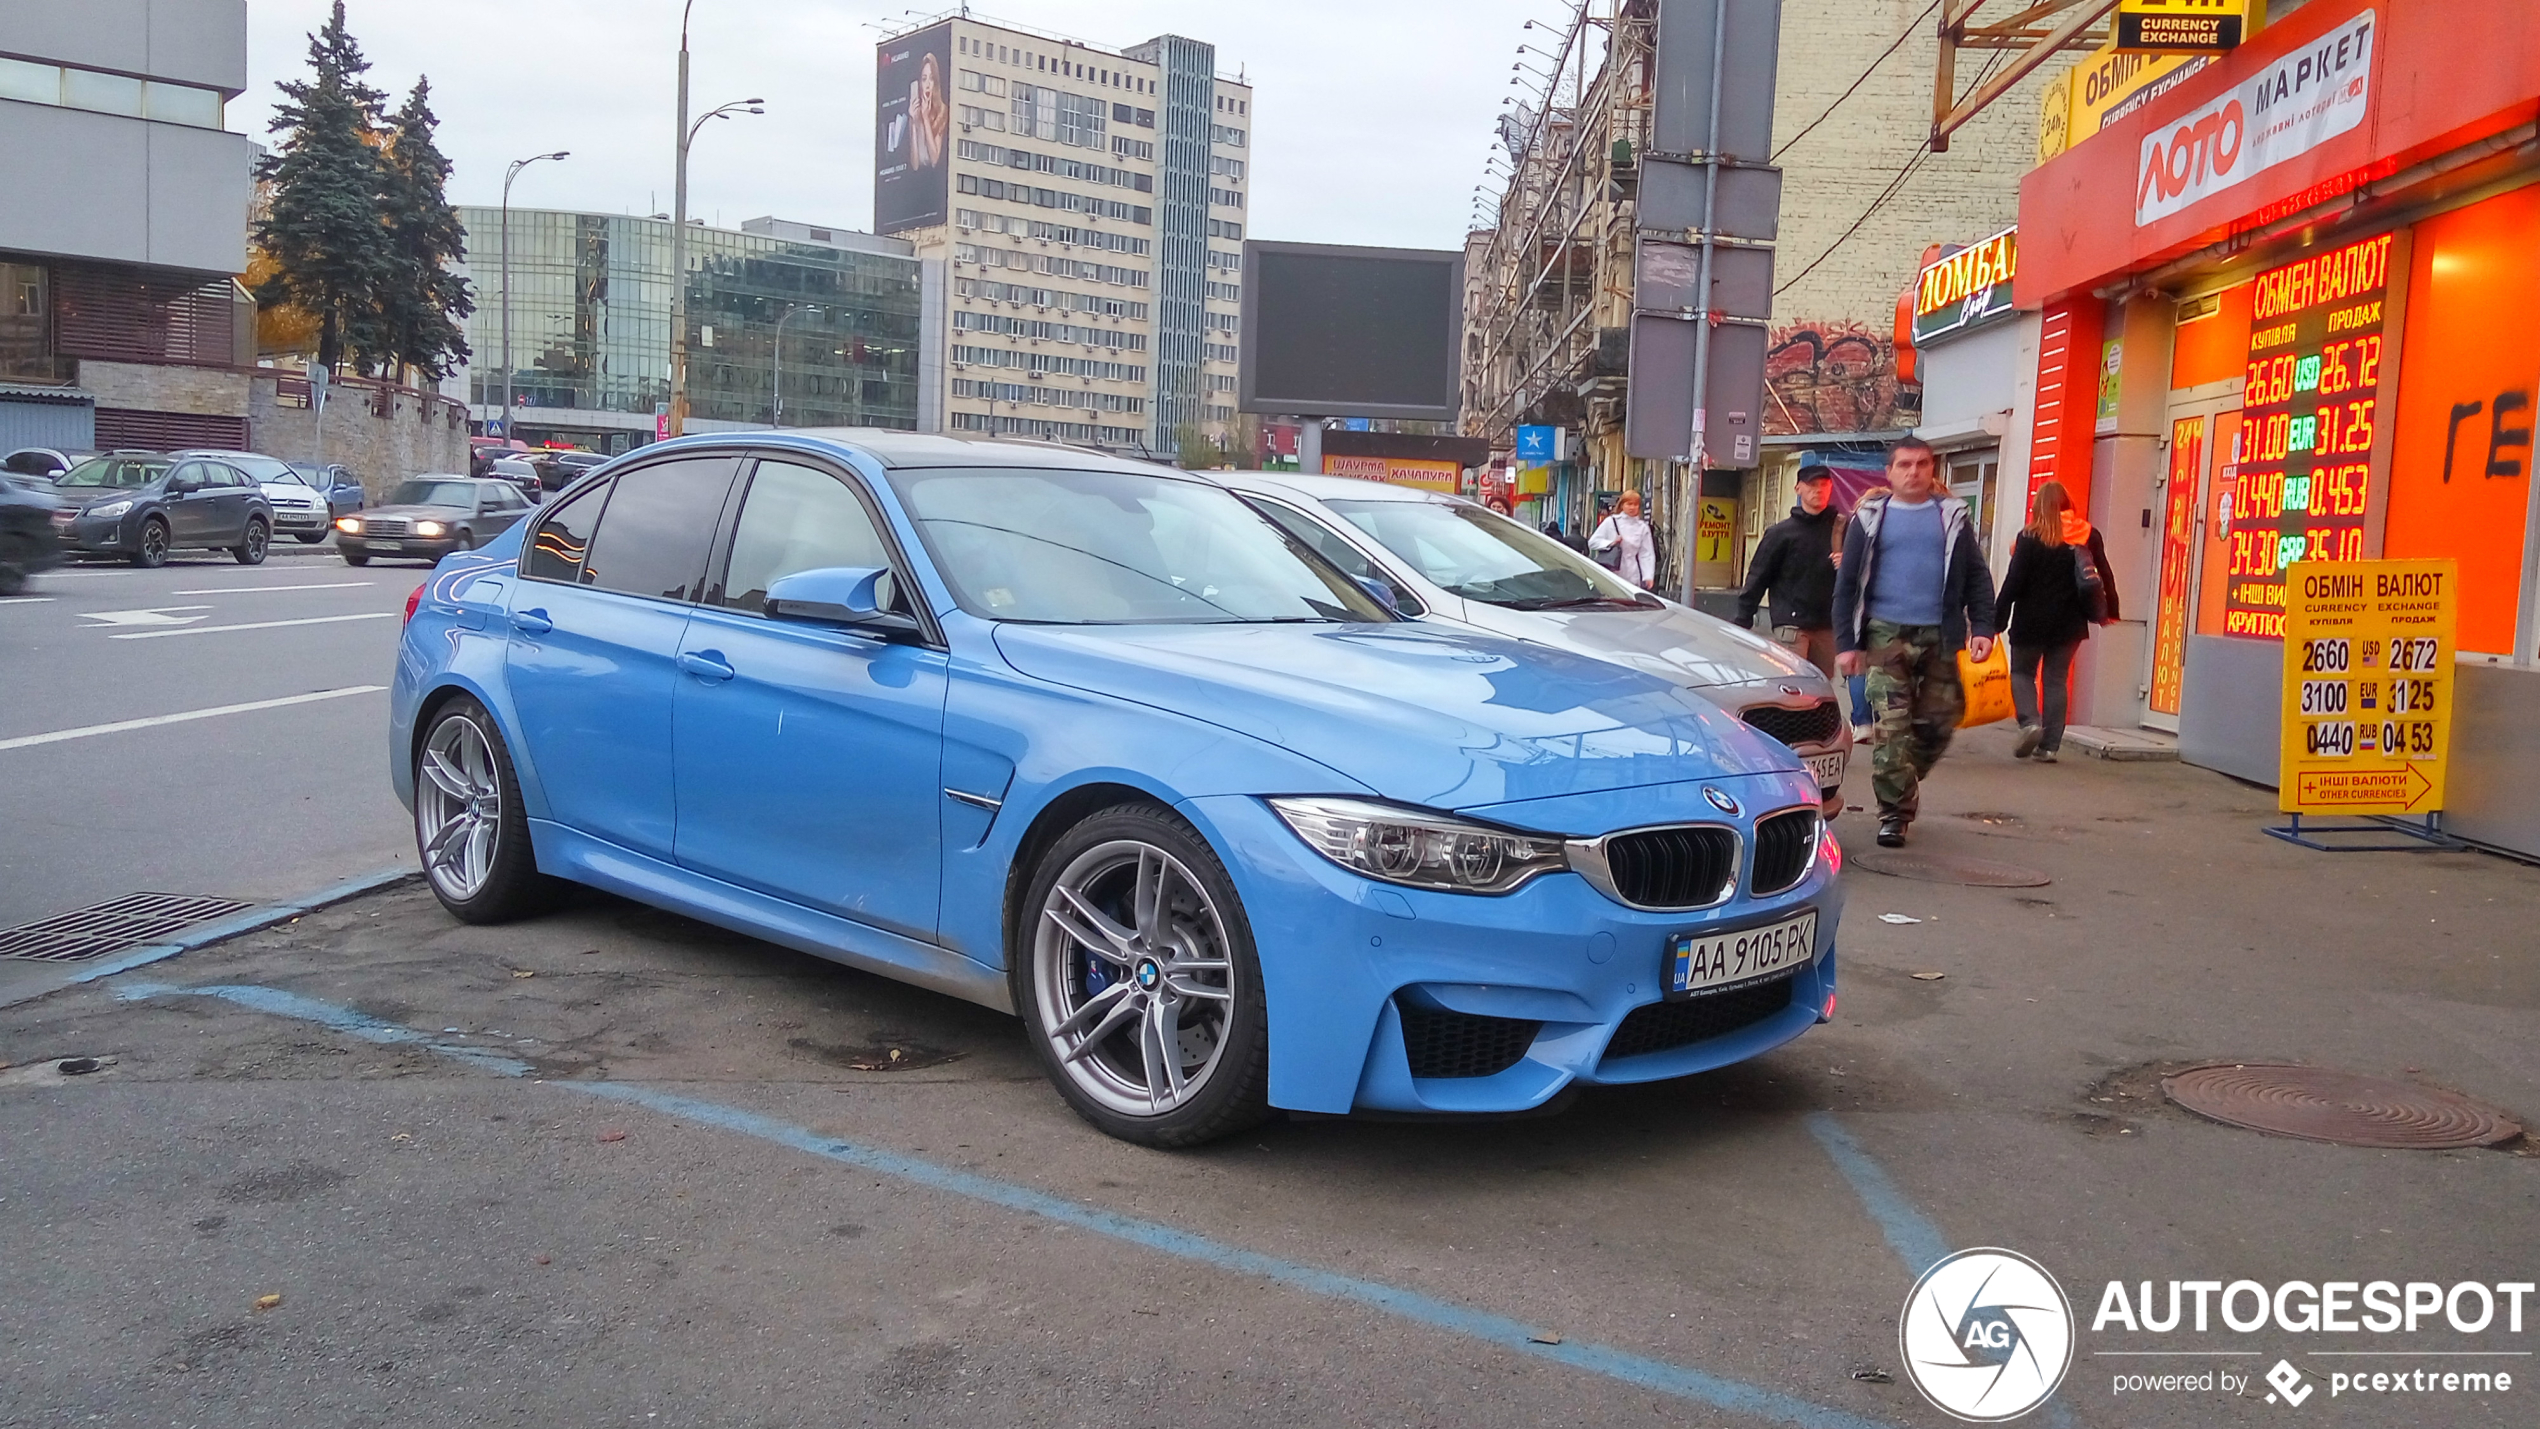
(423,303)
(323,228)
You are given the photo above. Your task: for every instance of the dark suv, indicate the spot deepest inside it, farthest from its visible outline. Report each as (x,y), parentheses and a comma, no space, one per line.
(141,506)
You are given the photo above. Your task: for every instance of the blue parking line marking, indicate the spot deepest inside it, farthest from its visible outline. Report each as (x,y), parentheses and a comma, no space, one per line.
(1914,1238)
(1498,1331)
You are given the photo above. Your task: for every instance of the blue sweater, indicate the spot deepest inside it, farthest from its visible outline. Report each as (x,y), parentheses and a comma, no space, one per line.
(1905,585)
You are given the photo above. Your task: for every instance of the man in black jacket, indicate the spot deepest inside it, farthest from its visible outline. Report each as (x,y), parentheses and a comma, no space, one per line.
(1913,591)
(1795,563)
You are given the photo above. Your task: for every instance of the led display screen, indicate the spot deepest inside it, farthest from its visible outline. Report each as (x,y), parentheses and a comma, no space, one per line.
(2310,410)
(1330,331)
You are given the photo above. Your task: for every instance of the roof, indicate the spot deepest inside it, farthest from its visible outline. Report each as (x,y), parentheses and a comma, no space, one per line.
(1319,487)
(895,448)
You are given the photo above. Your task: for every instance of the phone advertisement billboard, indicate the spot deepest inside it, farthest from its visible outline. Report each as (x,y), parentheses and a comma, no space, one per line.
(912,130)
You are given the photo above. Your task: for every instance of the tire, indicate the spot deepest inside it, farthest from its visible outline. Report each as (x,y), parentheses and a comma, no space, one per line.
(152,553)
(353,557)
(308,538)
(12,578)
(1187,970)
(470,829)
(251,552)
(466,541)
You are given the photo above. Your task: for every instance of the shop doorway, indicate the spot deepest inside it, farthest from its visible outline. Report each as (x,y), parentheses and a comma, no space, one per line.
(2199,462)
(1970,478)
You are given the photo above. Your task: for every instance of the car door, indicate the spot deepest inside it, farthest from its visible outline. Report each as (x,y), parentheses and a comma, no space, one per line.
(192,504)
(810,756)
(607,584)
(235,498)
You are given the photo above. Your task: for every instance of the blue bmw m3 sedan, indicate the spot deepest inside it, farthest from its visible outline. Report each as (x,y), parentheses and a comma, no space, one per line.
(1091,742)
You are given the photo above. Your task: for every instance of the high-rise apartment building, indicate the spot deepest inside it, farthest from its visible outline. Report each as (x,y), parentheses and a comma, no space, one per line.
(1080,213)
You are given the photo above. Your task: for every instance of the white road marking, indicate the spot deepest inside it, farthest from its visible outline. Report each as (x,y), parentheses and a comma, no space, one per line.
(252,589)
(25,740)
(155,615)
(253,625)
(24,599)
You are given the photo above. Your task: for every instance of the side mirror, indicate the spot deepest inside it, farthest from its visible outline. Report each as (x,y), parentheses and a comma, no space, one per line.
(1382,592)
(184,485)
(835,595)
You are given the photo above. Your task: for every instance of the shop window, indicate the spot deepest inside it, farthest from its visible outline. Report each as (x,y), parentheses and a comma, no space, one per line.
(2462,457)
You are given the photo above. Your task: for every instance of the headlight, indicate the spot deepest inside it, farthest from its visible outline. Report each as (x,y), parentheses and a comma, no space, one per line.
(429,528)
(109,511)
(350,525)
(1418,848)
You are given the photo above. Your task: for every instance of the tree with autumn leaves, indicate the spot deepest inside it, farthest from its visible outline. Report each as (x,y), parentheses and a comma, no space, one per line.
(358,238)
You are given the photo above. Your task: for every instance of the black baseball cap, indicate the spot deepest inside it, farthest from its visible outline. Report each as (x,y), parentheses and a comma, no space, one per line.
(1815,471)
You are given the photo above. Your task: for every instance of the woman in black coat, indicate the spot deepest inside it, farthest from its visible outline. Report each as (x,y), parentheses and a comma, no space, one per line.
(2046,607)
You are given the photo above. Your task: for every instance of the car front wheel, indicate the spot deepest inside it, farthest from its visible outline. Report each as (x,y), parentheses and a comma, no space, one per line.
(152,552)
(1138,982)
(470,828)
(251,551)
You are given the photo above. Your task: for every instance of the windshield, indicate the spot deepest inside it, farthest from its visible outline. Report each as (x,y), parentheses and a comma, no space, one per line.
(1481,555)
(434,493)
(120,473)
(311,476)
(1114,547)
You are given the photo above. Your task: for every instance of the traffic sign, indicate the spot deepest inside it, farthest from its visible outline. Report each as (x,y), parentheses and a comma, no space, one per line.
(2367,720)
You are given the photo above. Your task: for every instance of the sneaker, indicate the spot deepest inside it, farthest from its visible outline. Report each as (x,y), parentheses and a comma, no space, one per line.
(2043,756)
(2029,736)
(1861,733)
(1892,833)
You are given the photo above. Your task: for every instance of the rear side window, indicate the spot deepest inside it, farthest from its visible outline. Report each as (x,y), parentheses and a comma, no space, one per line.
(796,518)
(660,520)
(555,553)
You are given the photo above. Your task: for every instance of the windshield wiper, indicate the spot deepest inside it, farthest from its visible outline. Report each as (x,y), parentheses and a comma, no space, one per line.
(1576,602)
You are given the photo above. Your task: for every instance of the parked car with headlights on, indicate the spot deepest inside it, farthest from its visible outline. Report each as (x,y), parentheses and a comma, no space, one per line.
(143,507)
(1440,557)
(428,517)
(1090,741)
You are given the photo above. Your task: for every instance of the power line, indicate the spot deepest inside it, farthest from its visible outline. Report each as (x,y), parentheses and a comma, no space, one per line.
(1895,185)
(1884,56)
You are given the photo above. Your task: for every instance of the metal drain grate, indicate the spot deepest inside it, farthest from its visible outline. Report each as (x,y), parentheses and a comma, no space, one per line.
(127,922)
(2341,1108)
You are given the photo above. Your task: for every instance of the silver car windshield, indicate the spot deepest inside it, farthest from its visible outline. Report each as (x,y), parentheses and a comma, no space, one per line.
(434,493)
(1117,548)
(1482,555)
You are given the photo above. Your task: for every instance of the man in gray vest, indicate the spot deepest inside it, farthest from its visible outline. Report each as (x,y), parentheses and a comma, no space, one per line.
(1911,593)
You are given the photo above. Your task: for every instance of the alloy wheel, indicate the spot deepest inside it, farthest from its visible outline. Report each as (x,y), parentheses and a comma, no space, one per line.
(154,544)
(1131,967)
(458,807)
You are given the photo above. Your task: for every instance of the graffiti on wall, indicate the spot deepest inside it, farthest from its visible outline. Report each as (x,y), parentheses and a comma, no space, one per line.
(1835,376)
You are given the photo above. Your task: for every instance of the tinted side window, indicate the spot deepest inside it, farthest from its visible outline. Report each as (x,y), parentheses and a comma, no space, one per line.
(796,518)
(652,539)
(555,553)
(227,476)
(1328,544)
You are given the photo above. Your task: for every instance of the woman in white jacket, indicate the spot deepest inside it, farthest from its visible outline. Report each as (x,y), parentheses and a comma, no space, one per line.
(1636,560)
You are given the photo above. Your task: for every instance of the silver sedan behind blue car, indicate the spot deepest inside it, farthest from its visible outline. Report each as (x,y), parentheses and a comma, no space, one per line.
(1089,741)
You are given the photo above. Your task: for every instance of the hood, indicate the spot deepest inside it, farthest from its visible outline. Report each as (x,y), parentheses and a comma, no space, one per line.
(1445,719)
(1680,646)
(83,497)
(421,513)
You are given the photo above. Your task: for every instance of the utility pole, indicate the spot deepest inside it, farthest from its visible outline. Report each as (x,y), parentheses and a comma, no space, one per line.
(679,230)
(510,174)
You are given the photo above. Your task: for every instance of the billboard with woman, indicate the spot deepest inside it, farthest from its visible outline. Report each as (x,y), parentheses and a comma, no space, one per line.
(912,130)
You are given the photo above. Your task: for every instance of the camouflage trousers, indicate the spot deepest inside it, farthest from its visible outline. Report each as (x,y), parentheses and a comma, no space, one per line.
(1917,700)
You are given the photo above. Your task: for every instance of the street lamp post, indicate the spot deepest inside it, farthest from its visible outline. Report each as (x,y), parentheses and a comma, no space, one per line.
(776,406)
(510,174)
(679,230)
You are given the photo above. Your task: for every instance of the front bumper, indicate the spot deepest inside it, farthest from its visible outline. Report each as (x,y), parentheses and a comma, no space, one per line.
(1360,975)
(83,533)
(428,548)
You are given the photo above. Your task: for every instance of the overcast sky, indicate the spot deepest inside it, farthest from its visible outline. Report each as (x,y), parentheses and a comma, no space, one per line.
(1371,120)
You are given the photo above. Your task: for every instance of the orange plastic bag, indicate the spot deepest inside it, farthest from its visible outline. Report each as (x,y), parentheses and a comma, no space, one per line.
(1988,686)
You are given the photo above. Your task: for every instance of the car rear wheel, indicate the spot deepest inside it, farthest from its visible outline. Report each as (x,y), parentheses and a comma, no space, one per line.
(251,551)
(152,553)
(470,829)
(1138,982)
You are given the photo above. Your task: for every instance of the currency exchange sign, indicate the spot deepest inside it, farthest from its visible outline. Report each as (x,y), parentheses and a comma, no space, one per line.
(2367,686)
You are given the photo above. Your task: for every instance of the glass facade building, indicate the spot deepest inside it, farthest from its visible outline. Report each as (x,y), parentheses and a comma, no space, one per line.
(590,326)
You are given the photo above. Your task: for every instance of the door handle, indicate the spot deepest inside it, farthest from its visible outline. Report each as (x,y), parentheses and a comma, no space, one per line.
(706,665)
(533,622)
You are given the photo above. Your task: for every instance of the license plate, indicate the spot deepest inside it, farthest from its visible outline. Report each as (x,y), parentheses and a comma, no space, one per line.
(1828,768)
(1715,962)
(388,545)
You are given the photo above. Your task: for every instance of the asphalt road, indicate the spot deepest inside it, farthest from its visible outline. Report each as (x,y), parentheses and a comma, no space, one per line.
(254,805)
(614,1167)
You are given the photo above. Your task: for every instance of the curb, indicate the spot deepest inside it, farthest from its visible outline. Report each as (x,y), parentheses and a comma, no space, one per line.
(264,916)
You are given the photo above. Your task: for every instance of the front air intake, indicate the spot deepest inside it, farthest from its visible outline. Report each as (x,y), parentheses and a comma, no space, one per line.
(1462,1044)
(1692,866)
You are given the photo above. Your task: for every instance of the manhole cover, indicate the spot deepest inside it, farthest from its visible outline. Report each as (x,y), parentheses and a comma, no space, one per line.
(1947,868)
(127,922)
(2341,1108)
